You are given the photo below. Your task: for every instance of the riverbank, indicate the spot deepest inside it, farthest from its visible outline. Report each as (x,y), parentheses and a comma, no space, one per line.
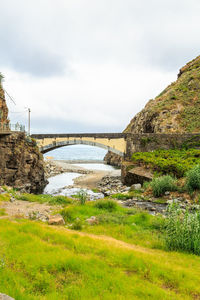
(89,178)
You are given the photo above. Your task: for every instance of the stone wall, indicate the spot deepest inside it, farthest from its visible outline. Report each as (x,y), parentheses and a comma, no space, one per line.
(150,141)
(21,163)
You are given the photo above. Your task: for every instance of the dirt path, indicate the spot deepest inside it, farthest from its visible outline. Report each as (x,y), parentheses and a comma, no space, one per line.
(24,209)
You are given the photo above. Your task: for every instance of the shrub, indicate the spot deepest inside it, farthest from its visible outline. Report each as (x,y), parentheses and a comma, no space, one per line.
(182,230)
(77,225)
(109,205)
(162,184)
(176,162)
(193,179)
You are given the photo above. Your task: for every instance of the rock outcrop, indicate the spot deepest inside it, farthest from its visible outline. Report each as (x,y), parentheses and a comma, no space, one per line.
(21,163)
(176,109)
(113,159)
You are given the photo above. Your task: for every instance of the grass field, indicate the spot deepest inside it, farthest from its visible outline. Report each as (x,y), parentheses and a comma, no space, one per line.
(122,257)
(41,262)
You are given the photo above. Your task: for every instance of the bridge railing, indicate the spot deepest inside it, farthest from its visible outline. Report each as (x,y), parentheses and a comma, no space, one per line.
(6,128)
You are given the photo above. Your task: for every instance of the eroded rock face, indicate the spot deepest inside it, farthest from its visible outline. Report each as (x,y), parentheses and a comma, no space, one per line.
(21,163)
(176,109)
(113,159)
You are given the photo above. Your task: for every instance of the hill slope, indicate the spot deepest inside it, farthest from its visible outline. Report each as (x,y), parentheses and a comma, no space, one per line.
(176,109)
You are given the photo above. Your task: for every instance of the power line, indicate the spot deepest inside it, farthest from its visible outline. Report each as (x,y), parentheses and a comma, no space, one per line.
(10,97)
(17,112)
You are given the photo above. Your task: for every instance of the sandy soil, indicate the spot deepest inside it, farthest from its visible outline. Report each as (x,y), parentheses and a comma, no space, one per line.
(90,181)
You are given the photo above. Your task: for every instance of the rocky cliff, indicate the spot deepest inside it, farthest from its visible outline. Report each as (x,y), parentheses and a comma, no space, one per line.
(113,159)
(21,164)
(176,109)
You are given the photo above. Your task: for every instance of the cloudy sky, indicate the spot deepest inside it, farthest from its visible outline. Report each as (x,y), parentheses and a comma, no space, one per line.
(91,65)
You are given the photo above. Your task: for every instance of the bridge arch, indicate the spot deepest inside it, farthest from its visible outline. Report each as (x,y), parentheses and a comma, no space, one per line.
(55,144)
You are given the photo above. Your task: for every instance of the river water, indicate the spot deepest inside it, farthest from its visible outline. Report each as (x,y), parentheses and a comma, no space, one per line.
(61,184)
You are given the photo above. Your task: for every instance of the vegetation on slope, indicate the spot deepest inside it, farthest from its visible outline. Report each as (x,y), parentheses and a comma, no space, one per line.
(176,109)
(175,162)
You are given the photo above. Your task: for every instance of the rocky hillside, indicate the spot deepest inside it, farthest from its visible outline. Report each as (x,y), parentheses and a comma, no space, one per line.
(176,109)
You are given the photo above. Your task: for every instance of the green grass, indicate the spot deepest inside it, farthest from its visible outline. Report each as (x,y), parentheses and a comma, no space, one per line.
(5,197)
(40,262)
(129,225)
(53,200)
(174,162)
(2,212)
(183,230)
(162,184)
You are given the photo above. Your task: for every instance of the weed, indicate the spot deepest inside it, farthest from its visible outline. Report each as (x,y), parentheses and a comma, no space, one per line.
(77,225)
(183,230)
(162,184)
(82,195)
(193,179)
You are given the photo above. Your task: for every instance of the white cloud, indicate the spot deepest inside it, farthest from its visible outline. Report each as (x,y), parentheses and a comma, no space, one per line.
(88,65)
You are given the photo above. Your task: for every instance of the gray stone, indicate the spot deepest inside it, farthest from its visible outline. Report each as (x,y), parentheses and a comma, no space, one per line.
(136,186)
(92,220)
(5,297)
(167,193)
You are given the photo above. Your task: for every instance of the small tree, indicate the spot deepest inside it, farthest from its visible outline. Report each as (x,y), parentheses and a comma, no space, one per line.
(1,78)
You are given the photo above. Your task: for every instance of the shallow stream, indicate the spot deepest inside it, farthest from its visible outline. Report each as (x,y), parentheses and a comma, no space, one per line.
(62,184)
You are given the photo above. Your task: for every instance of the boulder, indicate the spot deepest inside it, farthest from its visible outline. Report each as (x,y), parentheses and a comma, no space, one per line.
(92,220)
(56,220)
(5,297)
(136,186)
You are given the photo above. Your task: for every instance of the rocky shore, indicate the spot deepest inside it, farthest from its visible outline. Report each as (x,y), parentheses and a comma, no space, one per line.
(56,167)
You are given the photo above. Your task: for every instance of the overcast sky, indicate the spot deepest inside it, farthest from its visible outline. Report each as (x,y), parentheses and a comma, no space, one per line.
(91,65)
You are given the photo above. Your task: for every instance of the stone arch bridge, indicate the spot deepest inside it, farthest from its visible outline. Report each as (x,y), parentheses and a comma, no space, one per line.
(123,144)
(114,142)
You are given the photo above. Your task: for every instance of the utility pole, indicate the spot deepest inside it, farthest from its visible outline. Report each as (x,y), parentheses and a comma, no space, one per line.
(29,121)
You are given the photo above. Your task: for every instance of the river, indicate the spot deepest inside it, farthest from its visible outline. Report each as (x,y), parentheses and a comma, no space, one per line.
(63,184)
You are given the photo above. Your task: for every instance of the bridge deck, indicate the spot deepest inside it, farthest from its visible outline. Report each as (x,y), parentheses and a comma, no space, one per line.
(78,135)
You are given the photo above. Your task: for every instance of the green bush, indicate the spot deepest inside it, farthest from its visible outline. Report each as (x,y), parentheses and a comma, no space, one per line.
(77,225)
(182,230)
(193,179)
(162,184)
(109,205)
(175,162)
